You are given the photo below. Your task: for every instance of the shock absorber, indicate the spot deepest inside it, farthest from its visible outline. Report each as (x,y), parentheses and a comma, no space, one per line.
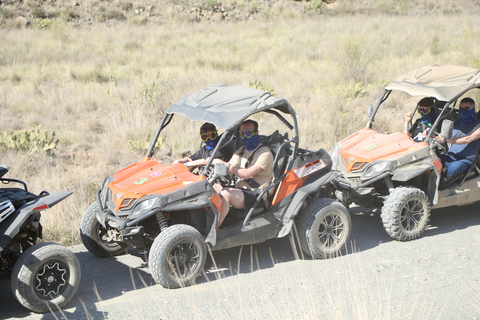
(162,222)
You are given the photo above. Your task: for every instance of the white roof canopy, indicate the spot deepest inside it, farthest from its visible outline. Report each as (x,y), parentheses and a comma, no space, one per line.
(444,82)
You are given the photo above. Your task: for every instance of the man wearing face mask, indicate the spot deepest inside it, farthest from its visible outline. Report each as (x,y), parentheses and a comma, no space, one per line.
(252,164)
(465,142)
(209,136)
(419,130)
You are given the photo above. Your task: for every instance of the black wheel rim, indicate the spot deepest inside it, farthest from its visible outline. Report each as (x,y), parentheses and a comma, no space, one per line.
(51,279)
(183,259)
(412,214)
(331,230)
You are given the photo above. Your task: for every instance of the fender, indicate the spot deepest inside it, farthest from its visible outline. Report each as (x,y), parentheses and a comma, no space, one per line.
(404,174)
(10,227)
(410,171)
(299,198)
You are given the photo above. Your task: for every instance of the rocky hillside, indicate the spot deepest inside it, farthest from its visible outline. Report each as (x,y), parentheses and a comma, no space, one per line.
(81,12)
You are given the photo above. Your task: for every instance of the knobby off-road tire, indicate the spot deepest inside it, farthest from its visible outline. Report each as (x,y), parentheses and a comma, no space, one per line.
(405,213)
(177,256)
(45,277)
(324,228)
(93,235)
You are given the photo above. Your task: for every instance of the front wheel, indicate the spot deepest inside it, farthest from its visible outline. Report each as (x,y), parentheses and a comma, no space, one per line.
(324,228)
(405,213)
(45,277)
(94,235)
(177,256)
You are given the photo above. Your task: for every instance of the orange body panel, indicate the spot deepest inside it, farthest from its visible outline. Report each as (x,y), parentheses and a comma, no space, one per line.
(438,164)
(368,145)
(149,177)
(295,178)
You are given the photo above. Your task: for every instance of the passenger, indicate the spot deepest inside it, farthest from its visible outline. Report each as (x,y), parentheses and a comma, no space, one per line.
(209,135)
(252,164)
(419,130)
(465,141)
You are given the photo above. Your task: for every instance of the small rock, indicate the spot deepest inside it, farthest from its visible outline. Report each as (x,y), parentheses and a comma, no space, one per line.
(217,17)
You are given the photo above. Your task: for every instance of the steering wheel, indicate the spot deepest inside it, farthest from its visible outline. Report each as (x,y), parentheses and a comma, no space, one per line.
(439,147)
(224,180)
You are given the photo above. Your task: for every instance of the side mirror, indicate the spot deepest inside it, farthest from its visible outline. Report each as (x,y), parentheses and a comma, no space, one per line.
(3,170)
(220,170)
(447,129)
(370,111)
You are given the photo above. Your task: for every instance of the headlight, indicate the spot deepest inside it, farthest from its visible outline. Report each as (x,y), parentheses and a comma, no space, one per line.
(145,205)
(334,155)
(375,169)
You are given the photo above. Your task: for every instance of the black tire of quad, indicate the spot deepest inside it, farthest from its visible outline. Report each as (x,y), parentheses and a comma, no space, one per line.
(324,228)
(45,277)
(402,208)
(92,233)
(177,256)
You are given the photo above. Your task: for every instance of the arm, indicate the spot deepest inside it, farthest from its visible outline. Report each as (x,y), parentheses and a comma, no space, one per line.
(408,117)
(472,136)
(183,160)
(243,173)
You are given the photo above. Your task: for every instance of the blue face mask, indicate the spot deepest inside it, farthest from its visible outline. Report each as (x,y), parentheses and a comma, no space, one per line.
(210,144)
(467,116)
(252,142)
(427,118)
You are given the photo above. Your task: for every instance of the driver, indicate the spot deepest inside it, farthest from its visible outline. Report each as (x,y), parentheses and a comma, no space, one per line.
(465,141)
(252,164)
(209,135)
(419,130)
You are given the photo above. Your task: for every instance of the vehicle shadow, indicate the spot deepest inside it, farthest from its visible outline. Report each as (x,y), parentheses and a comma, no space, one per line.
(451,219)
(367,233)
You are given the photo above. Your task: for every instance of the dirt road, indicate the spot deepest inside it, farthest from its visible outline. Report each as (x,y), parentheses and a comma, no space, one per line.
(434,277)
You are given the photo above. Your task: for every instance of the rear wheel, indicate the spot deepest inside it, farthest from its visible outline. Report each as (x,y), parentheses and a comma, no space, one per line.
(405,213)
(324,228)
(177,256)
(45,277)
(94,235)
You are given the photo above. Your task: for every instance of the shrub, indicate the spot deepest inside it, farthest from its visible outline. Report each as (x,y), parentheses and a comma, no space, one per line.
(261,86)
(43,23)
(142,144)
(33,141)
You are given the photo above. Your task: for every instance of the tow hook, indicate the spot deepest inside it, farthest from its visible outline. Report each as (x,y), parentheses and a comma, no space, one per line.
(113,235)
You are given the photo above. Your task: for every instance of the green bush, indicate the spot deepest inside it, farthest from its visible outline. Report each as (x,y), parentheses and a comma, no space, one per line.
(317,5)
(141,144)
(43,23)
(256,84)
(33,141)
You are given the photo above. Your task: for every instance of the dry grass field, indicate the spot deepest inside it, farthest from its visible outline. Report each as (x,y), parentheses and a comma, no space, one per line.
(102,88)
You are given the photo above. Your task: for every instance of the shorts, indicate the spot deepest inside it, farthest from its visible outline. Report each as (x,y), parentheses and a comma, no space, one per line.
(249,198)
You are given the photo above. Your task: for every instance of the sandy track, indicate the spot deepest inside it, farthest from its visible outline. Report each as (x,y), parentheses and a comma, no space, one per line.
(434,277)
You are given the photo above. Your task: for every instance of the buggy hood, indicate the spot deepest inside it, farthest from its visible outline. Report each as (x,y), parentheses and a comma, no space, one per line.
(366,146)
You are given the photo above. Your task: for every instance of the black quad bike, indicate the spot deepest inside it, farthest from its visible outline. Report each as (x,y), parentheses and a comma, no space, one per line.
(44,276)
(171,213)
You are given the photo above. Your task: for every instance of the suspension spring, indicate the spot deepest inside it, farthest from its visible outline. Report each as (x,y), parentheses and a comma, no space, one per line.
(389,183)
(162,222)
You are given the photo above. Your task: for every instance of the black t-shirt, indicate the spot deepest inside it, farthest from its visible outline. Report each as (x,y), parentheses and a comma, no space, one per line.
(203,153)
(417,130)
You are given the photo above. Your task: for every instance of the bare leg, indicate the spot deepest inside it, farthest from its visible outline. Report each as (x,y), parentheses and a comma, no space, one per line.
(230,196)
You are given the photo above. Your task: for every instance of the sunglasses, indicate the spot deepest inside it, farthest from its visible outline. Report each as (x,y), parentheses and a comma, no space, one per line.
(465,108)
(424,110)
(247,133)
(208,135)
